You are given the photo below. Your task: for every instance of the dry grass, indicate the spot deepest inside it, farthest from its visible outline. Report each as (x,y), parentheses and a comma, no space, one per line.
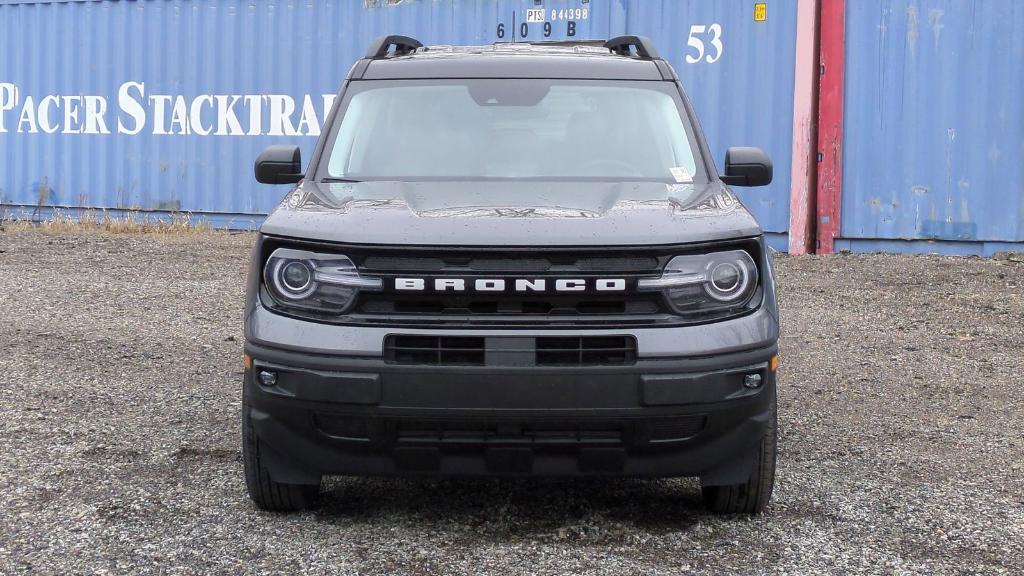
(103,221)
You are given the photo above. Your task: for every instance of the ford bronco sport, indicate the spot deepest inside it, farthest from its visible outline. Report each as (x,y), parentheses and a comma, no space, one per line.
(511,260)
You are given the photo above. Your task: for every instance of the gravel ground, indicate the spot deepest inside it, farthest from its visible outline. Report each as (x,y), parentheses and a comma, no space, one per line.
(901,417)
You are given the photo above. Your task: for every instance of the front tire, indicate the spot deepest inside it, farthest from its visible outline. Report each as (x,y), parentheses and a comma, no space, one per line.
(265,492)
(752,496)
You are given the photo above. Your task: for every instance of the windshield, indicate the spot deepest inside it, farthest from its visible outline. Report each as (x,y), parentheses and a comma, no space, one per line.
(470,129)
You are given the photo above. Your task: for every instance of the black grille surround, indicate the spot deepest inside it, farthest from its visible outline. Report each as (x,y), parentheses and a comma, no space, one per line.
(629,308)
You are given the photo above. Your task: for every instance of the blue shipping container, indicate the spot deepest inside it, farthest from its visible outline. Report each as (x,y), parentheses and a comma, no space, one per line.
(164,105)
(934,126)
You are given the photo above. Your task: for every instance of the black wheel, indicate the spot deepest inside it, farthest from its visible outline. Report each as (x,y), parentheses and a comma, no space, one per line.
(752,496)
(266,493)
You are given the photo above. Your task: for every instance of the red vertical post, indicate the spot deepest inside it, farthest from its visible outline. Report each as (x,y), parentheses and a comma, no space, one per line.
(803,190)
(832,57)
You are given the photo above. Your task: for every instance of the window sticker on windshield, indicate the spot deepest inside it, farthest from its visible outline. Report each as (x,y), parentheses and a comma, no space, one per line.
(681,174)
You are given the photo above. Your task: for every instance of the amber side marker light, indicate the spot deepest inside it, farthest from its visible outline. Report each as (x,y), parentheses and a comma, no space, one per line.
(247,361)
(774,363)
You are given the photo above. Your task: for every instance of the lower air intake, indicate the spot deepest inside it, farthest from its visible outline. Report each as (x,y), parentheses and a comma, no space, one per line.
(480,351)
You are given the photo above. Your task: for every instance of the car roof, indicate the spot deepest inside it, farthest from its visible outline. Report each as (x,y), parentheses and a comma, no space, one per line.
(571,60)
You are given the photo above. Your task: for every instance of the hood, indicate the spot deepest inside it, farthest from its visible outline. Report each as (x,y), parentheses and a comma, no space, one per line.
(511,213)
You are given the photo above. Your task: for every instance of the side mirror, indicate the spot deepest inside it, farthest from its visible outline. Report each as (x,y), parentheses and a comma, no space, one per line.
(279,165)
(747,167)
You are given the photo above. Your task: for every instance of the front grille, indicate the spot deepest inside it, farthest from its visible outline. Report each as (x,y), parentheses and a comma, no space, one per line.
(586,351)
(517,351)
(437,431)
(479,432)
(674,429)
(480,306)
(466,307)
(435,350)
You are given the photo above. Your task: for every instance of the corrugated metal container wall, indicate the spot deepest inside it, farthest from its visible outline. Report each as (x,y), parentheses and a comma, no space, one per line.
(934,127)
(239,66)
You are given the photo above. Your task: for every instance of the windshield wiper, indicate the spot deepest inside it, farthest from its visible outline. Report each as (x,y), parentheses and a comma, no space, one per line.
(331,180)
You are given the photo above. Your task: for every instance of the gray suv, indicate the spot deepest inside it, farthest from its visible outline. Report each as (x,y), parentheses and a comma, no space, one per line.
(511,260)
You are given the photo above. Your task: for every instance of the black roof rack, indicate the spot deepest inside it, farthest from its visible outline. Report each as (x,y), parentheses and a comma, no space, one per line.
(644,47)
(403,45)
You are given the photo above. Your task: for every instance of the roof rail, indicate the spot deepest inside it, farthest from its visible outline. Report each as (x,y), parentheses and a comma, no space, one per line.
(644,47)
(403,45)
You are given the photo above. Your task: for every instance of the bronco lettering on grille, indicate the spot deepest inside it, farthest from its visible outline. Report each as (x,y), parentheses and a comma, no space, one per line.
(510,284)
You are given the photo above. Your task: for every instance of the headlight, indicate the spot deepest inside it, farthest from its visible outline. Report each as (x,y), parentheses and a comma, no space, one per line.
(325,284)
(707,284)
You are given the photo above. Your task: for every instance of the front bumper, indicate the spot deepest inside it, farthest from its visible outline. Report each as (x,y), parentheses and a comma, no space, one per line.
(342,415)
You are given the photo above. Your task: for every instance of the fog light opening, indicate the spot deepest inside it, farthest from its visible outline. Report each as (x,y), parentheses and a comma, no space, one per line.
(267,378)
(752,381)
